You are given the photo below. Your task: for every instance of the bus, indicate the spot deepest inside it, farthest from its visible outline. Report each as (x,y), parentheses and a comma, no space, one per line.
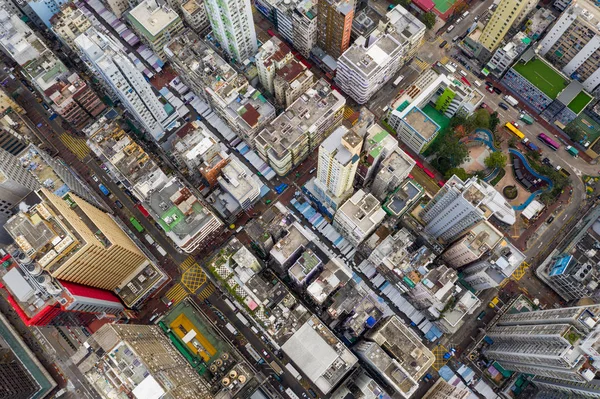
(548,141)
(276,367)
(429,173)
(136,224)
(253,353)
(513,129)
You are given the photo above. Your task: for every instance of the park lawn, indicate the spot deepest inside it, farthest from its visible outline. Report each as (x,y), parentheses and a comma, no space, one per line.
(542,76)
(579,102)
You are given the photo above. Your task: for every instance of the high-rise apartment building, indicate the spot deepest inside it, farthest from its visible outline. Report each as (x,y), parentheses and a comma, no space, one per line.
(335,25)
(291,81)
(233,27)
(338,160)
(139,361)
(21,374)
(16,182)
(156,23)
(271,57)
(194,14)
(573,43)
(372,61)
(507,13)
(44,10)
(119,7)
(69,23)
(126,81)
(491,270)
(74,241)
(305,27)
(478,241)
(555,345)
(394,352)
(394,169)
(69,95)
(287,140)
(358,217)
(459,206)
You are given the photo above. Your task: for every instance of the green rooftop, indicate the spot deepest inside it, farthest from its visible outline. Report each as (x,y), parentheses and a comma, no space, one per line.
(175,215)
(579,102)
(542,76)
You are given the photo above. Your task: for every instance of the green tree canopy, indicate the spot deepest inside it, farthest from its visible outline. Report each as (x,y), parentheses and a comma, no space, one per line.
(494,121)
(428,19)
(495,160)
(574,133)
(459,172)
(450,155)
(480,119)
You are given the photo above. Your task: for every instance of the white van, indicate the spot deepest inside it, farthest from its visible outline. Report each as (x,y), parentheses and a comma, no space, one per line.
(463,73)
(450,28)
(465,14)
(477,83)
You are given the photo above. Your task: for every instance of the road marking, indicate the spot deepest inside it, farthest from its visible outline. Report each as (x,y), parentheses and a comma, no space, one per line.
(208,291)
(176,293)
(76,145)
(193,278)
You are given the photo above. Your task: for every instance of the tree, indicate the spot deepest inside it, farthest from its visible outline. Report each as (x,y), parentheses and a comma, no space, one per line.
(451,154)
(428,19)
(574,133)
(459,172)
(494,121)
(480,119)
(403,3)
(495,160)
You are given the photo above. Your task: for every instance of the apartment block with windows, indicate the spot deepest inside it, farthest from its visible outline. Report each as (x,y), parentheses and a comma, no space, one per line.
(233,27)
(507,13)
(335,26)
(287,140)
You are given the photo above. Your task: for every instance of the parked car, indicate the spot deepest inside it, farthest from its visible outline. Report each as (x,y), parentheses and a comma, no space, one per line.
(546,161)
(503,106)
(442,44)
(312,171)
(95,178)
(490,89)
(265,354)
(481,315)
(497,90)
(450,28)
(119,204)
(550,219)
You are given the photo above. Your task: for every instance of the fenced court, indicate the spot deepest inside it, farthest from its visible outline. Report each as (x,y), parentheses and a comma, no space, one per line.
(542,76)
(443,5)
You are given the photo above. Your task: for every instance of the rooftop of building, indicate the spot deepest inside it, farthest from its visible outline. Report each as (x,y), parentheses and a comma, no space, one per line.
(402,251)
(296,239)
(191,6)
(378,140)
(506,257)
(482,238)
(196,143)
(272,51)
(396,163)
(188,50)
(319,354)
(46,69)
(404,197)
(365,21)
(465,305)
(422,123)
(405,347)
(299,118)
(335,274)
(368,54)
(363,209)
(304,265)
(251,107)
(291,71)
(344,7)
(130,160)
(178,211)
(404,22)
(334,144)
(153,16)
(239,181)
(139,283)
(485,197)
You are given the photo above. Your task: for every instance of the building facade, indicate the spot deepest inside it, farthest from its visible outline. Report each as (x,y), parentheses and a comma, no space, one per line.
(291,81)
(335,26)
(233,27)
(506,14)
(395,168)
(272,56)
(126,81)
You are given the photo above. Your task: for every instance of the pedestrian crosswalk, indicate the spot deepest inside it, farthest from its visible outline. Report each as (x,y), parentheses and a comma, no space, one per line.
(444,60)
(422,65)
(348,112)
(76,145)
(176,293)
(187,263)
(207,291)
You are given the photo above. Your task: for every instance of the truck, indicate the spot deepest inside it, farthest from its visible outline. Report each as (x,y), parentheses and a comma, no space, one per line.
(530,145)
(526,118)
(291,394)
(149,239)
(231,329)
(276,367)
(572,150)
(161,250)
(293,371)
(511,100)
(104,190)
(243,319)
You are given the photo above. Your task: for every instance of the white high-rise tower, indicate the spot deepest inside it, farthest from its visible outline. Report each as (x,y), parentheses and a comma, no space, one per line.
(128,83)
(233,27)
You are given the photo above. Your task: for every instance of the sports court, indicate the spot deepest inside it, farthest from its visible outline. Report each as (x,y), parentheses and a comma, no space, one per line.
(443,5)
(542,76)
(590,127)
(579,102)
